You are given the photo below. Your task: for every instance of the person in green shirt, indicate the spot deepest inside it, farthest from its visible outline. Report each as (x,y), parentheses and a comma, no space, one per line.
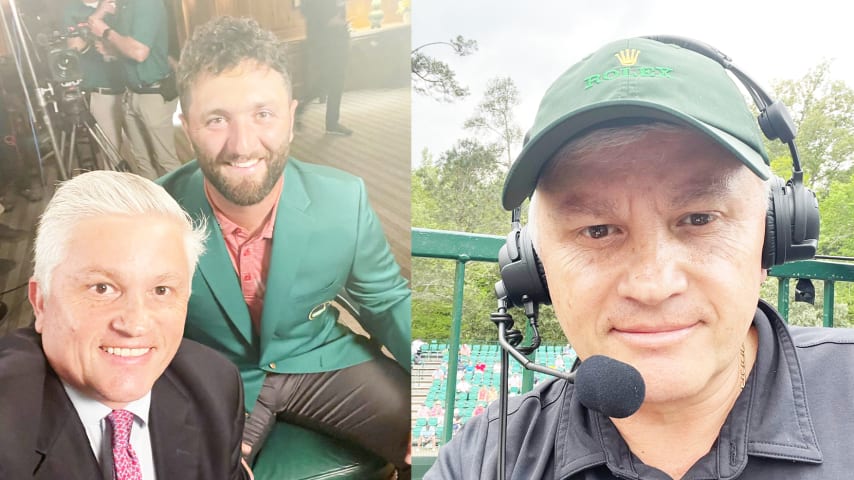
(139,37)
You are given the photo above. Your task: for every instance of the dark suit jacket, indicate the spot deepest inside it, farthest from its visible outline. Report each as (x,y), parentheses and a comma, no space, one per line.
(196,417)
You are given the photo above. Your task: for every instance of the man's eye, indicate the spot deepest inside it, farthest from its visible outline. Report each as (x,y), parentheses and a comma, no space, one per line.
(698,219)
(597,231)
(215,121)
(161,290)
(101,288)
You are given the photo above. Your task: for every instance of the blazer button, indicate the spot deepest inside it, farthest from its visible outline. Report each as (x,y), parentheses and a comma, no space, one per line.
(273,365)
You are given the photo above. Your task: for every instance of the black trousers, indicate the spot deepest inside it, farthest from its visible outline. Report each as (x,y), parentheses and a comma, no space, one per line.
(326,71)
(366,404)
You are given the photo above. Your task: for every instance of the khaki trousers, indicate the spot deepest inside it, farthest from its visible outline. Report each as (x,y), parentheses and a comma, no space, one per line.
(148,120)
(107,110)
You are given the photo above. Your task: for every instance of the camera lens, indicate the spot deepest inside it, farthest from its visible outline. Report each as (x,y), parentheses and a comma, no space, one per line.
(65,65)
(66,62)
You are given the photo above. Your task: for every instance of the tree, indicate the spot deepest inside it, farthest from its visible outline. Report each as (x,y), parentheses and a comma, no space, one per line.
(494,114)
(460,191)
(434,77)
(823,111)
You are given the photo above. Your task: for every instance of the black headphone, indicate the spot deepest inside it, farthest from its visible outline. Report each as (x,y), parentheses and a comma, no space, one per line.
(791,223)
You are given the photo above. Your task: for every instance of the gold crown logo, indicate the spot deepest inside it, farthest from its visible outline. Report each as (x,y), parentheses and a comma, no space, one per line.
(628,56)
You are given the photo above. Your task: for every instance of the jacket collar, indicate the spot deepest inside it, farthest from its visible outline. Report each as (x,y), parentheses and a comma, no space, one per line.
(215,265)
(61,435)
(770,419)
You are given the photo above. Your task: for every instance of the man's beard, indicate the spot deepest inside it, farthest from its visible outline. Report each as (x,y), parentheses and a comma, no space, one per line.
(246,192)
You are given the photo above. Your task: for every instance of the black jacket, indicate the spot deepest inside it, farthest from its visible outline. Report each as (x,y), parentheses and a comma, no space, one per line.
(793,420)
(196,417)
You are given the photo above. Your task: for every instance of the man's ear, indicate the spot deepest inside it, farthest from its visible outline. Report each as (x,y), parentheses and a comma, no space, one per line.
(184,123)
(36,296)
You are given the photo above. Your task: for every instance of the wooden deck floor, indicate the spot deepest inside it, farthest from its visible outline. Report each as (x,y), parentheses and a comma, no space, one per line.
(378,151)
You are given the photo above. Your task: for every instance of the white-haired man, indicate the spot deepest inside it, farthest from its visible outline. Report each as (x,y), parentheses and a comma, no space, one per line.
(103,385)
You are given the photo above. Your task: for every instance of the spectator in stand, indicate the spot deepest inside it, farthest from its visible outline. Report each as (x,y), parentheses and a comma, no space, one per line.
(496,367)
(465,352)
(515,383)
(493,395)
(480,367)
(480,408)
(417,346)
(437,411)
(458,422)
(439,374)
(482,394)
(559,363)
(428,436)
(423,412)
(464,387)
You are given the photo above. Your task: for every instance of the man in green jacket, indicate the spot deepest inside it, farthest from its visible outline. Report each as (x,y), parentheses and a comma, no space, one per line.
(284,238)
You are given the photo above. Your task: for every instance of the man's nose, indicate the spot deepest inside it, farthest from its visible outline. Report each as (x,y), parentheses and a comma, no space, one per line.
(134,319)
(242,139)
(655,270)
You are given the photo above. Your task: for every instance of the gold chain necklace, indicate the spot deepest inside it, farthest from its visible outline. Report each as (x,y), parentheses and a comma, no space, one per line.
(742,369)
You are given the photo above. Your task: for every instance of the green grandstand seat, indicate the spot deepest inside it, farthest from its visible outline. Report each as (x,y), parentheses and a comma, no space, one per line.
(420,422)
(296,453)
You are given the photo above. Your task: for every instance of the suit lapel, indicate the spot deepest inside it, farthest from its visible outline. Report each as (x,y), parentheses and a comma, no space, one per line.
(291,242)
(62,447)
(174,439)
(215,265)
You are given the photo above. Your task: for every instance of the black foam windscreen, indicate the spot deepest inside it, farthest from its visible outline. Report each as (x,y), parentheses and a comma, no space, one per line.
(611,387)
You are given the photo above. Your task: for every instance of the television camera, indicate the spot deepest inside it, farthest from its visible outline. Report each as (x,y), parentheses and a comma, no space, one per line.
(50,72)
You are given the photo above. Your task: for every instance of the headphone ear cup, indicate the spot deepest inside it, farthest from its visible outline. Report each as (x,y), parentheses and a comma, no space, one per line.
(769,248)
(791,223)
(541,274)
(522,275)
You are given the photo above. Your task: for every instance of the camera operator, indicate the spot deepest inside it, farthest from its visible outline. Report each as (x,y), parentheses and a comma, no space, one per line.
(138,36)
(102,75)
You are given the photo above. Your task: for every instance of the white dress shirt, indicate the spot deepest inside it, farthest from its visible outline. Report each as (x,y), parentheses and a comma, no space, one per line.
(93,415)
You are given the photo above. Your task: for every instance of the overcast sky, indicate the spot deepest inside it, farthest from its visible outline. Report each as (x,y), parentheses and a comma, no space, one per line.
(535,41)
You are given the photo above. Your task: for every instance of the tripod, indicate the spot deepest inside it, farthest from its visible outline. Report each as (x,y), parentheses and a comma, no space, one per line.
(76,116)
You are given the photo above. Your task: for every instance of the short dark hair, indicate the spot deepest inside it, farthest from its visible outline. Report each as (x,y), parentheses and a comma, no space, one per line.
(224,43)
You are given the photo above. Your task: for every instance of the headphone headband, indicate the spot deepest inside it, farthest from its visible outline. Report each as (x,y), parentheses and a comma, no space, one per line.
(792,219)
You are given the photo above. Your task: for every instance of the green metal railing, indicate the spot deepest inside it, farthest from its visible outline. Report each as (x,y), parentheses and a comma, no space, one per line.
(467,247)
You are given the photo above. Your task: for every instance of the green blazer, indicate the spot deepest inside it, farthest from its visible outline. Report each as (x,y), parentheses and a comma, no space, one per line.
(326,239)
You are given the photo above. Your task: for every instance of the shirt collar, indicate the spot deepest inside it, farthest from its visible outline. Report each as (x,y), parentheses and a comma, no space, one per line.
(228,227)
(92,411)
(769,419)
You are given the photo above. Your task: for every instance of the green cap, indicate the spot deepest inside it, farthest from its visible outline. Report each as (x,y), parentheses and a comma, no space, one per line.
(638,78)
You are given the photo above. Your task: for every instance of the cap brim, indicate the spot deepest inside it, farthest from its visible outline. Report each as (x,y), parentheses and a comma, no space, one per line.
(522,177)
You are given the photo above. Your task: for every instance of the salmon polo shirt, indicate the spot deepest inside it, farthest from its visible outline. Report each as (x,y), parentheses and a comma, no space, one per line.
(250,255)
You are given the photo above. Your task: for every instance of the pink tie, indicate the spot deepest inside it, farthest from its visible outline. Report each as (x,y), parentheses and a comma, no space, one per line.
(124,458)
